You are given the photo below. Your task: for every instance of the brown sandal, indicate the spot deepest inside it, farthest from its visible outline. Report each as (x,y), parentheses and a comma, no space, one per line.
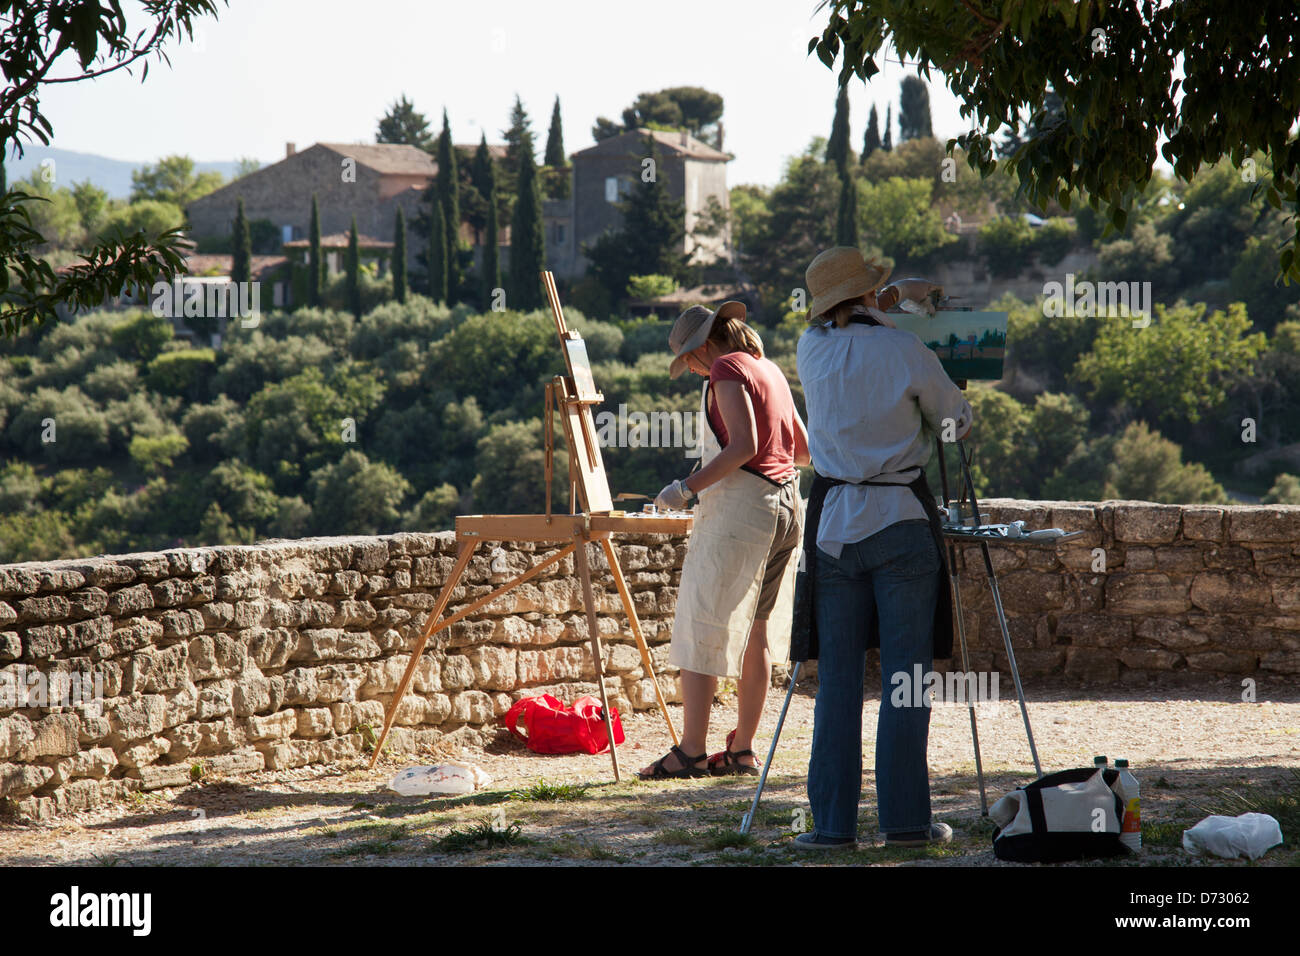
(725,764)
(687,770)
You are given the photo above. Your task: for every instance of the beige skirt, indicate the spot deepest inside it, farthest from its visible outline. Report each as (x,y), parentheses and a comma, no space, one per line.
(722,576)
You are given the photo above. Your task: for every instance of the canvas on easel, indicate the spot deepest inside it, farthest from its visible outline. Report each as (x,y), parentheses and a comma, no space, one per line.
(575,395)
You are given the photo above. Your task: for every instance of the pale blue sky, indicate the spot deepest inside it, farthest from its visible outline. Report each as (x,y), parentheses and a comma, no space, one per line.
(269,72)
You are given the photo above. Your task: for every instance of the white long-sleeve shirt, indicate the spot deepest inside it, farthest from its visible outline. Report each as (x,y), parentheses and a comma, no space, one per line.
(872,392)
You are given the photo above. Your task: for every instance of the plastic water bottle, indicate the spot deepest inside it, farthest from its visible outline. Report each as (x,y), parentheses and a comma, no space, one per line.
(1100,763)
(1127,788)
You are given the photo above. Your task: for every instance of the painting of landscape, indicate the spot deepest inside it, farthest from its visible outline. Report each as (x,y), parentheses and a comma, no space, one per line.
(970,345)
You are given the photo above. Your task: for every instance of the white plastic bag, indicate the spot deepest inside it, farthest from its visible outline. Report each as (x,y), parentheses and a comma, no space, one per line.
(1249,835)
(444,778)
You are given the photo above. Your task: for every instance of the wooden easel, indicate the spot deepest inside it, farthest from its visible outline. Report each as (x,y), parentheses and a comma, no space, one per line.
(574,395)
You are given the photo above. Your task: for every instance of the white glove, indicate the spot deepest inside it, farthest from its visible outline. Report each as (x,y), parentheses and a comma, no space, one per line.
(674,497)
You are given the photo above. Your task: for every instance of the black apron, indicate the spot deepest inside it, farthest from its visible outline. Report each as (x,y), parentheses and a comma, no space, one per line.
(803,633)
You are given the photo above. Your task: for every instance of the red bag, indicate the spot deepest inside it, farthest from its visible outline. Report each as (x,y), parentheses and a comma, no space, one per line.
(552,727)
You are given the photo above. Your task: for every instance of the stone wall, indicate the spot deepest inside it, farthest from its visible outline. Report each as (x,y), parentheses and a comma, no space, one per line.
(1149,592)
(285,653)
(159,667)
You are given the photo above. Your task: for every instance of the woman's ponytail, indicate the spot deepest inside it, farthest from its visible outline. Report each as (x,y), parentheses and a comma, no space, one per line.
(734,335)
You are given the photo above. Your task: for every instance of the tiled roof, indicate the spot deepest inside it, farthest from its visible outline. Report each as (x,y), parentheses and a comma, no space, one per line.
(402,159)
(671,141)
(388,158)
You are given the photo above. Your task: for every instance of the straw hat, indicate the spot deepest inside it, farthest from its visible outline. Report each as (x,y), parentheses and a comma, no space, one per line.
(691,330)
(840,274)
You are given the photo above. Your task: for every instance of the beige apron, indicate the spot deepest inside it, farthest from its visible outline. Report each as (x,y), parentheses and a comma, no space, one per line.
(722,575)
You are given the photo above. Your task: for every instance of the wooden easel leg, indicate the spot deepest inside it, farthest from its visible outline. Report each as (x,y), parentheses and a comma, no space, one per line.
(462,561)
(611,555)
(584,572)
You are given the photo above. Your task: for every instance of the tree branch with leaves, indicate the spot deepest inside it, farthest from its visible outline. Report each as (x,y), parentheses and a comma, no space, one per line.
(1195,82)
(34,36)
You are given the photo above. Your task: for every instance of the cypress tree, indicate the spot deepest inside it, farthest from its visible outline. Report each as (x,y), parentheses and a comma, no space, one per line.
(241,248)
(354,270)
(399,257)
(557,163)
(871,139)
(887,142)
(481,170)
(315,265)
(846,223)
(555,139)
(837,147)
(527,244)
(518,136)
(914,110)
(448,184)
(437,254)
(491,268)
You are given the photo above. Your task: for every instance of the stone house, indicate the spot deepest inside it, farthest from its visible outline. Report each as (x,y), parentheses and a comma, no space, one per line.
(372,180)
(368,181)
(604,175)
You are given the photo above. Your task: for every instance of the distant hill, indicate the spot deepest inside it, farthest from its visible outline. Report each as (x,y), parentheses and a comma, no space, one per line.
(111,175)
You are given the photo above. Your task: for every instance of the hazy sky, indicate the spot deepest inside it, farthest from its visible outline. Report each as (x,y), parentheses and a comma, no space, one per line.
(269,72)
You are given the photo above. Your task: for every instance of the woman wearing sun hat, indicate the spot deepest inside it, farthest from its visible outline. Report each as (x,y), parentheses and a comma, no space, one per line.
(874,568)
(734,602)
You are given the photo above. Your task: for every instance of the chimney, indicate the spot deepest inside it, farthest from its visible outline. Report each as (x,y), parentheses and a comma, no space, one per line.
(685,137)
(720,132)
(289,150)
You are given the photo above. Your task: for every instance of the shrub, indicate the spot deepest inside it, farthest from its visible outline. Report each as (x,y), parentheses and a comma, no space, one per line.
(185,373)
(1004,243)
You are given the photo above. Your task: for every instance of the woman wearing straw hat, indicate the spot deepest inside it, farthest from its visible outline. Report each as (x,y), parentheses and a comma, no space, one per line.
(734,602)
(874,566)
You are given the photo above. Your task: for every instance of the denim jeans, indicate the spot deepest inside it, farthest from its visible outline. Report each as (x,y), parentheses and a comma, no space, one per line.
(896,573)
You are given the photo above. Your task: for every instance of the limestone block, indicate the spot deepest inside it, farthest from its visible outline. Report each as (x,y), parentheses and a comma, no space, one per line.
(457,673)
(154,670)
(1264,523)
(494,668)
(1150,658)
(182,705)
(1091,665)
(1147,593)
(554,664)
(43,641)
(1175,635)
(273,648)
(41,610)
(96,763)
(214,656)
(1223,662)
(471,707)
(182,623)
(315,722)
(1146,523)
(216,699)
(16,732)
(157,776)
(1229,591)
(143,754)
(280,725)
(17,780)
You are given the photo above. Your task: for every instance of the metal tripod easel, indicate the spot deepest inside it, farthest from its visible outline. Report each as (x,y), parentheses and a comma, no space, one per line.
(955,529)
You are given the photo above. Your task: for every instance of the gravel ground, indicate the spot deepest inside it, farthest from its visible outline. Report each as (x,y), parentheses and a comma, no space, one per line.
(1190,749)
